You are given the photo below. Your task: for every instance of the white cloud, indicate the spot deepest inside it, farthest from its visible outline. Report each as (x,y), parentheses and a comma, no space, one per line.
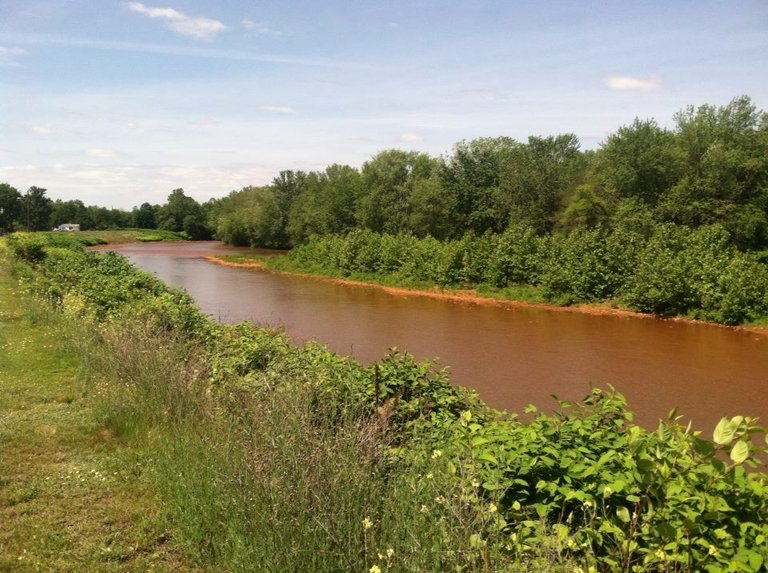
(9,57)
(258,28)
(277,108)
(100,152)
(200,28)
(410,137)
(41,129)
(186,51)
(630,83)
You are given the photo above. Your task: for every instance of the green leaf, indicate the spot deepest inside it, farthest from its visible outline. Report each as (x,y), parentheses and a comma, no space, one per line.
(561,530)
(623,514)
(740,452)
(724,432)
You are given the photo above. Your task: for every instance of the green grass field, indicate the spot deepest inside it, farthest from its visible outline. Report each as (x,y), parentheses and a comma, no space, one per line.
(72,496)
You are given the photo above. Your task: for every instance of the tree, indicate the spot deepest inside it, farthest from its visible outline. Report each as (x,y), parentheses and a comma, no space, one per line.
(388,180)
(641,160)
(536,179)
(726,171)
(183,213)
(145,217)
(584,209)
(473,175)
(249,217)
(10,207)
(72,211)
(36,209)
(327,203)
(432,209)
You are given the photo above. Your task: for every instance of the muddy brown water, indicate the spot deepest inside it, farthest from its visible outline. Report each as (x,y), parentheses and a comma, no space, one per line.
(512,356)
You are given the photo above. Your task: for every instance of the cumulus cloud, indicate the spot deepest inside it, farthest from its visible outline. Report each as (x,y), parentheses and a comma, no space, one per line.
(410,137)
(277,108)
(9,57)
(200,28)
(630,83)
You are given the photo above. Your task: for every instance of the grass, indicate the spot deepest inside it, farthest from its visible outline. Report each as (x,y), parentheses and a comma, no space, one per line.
(73,496)
(116,236)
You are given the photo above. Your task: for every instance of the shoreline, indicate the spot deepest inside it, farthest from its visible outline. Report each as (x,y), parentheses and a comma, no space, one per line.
(472,297)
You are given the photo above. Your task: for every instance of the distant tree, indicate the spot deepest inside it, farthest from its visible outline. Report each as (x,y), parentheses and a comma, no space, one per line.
(104,218)
(472,175)
(72,211)
(585,208)
(536,179)
(249,217)
(183,213)
(10,207)
(641,160)
(726,171)
(145,217)
(388,182)
(327,203)
(287,187)
(36,209)
(432,210)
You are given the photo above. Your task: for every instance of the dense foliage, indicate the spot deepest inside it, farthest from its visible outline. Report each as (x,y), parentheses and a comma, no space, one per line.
(710,168)
(664,269)
(277,457)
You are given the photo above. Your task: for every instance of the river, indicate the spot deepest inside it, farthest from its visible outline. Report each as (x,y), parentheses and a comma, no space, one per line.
(512,356)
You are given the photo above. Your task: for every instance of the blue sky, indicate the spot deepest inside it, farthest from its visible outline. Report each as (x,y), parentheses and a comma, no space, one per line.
(117,103)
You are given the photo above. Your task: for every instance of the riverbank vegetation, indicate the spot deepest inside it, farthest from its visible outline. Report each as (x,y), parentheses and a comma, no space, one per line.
(274,457)
(662,269)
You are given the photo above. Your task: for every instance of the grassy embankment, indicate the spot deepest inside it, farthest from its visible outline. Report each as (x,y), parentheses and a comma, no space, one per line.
(116,236)
(272,457)
(73,496)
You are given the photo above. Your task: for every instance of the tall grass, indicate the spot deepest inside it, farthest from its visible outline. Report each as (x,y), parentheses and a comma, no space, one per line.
(293,478)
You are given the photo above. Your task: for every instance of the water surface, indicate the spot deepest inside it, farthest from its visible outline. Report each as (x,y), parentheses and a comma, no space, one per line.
(511,356)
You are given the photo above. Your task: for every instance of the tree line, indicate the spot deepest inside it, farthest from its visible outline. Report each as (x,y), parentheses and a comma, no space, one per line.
(710,168)
(35,211)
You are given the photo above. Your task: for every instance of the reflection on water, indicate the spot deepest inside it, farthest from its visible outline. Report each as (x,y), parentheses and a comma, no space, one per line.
(512,357)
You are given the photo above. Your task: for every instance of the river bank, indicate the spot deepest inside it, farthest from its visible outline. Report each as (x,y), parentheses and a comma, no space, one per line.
(474,297)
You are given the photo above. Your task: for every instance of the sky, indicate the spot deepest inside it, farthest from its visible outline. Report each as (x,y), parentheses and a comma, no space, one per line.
(117,103)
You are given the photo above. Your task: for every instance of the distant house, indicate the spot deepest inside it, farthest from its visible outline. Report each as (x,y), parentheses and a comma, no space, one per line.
(68,227)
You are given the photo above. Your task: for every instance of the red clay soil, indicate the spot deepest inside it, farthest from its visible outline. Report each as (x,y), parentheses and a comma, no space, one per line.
(472,297)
